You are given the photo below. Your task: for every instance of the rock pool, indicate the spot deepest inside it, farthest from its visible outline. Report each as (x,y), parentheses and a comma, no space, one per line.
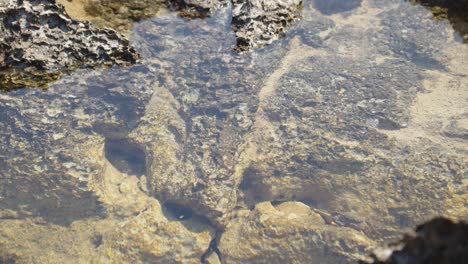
(314,146)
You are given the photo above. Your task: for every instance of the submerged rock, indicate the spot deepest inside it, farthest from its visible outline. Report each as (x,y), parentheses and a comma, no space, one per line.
(288,235)
(439,240)
(58,179)
(138,162)
(39,41)
(121,14)
(196,8)
(330,7)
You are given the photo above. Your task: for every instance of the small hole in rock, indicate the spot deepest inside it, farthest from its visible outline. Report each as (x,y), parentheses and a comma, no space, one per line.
(179,212)
(97,241)
(125,157)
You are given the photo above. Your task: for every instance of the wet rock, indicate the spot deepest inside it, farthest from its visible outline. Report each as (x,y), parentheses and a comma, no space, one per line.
(121,14)
(257,23)
(58,180)
(329,146)
(194,128)
(53,144)
(145,236)
(326,116)
(457,129)
(268,235)
(196,8)
(455,11)
(39,41)
(439,240)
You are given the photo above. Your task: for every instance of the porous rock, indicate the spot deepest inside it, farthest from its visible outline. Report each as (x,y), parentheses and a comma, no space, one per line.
(39,41)
(257,23)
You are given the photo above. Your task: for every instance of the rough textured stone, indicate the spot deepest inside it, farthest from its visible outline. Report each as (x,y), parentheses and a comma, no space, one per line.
(38,41)
(268,235)
(257,23)
(195,128)
(61,184)
(50,153)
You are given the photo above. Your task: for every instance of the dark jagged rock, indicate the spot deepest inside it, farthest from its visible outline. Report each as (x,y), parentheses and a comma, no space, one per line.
(39,41)
(257,23)
(439,241)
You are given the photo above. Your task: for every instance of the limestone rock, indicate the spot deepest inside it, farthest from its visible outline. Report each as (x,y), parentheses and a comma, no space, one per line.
(63,189)
(335,116)
(257,23)
(268,235)
(332,145)
(146,236)
(53,143)
(38,41)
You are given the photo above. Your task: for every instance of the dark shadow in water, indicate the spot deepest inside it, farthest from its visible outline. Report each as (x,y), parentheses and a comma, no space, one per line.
(176,212)
(330,7)
(7,260)
(125,157)
(189,218)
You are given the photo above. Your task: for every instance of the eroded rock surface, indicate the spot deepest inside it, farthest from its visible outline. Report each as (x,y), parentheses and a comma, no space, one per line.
(62,184)
(39,41)
(290,233)
(197,8)
(257,23)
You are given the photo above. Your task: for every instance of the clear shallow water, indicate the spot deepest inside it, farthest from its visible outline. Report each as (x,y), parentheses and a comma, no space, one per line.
(323,116)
